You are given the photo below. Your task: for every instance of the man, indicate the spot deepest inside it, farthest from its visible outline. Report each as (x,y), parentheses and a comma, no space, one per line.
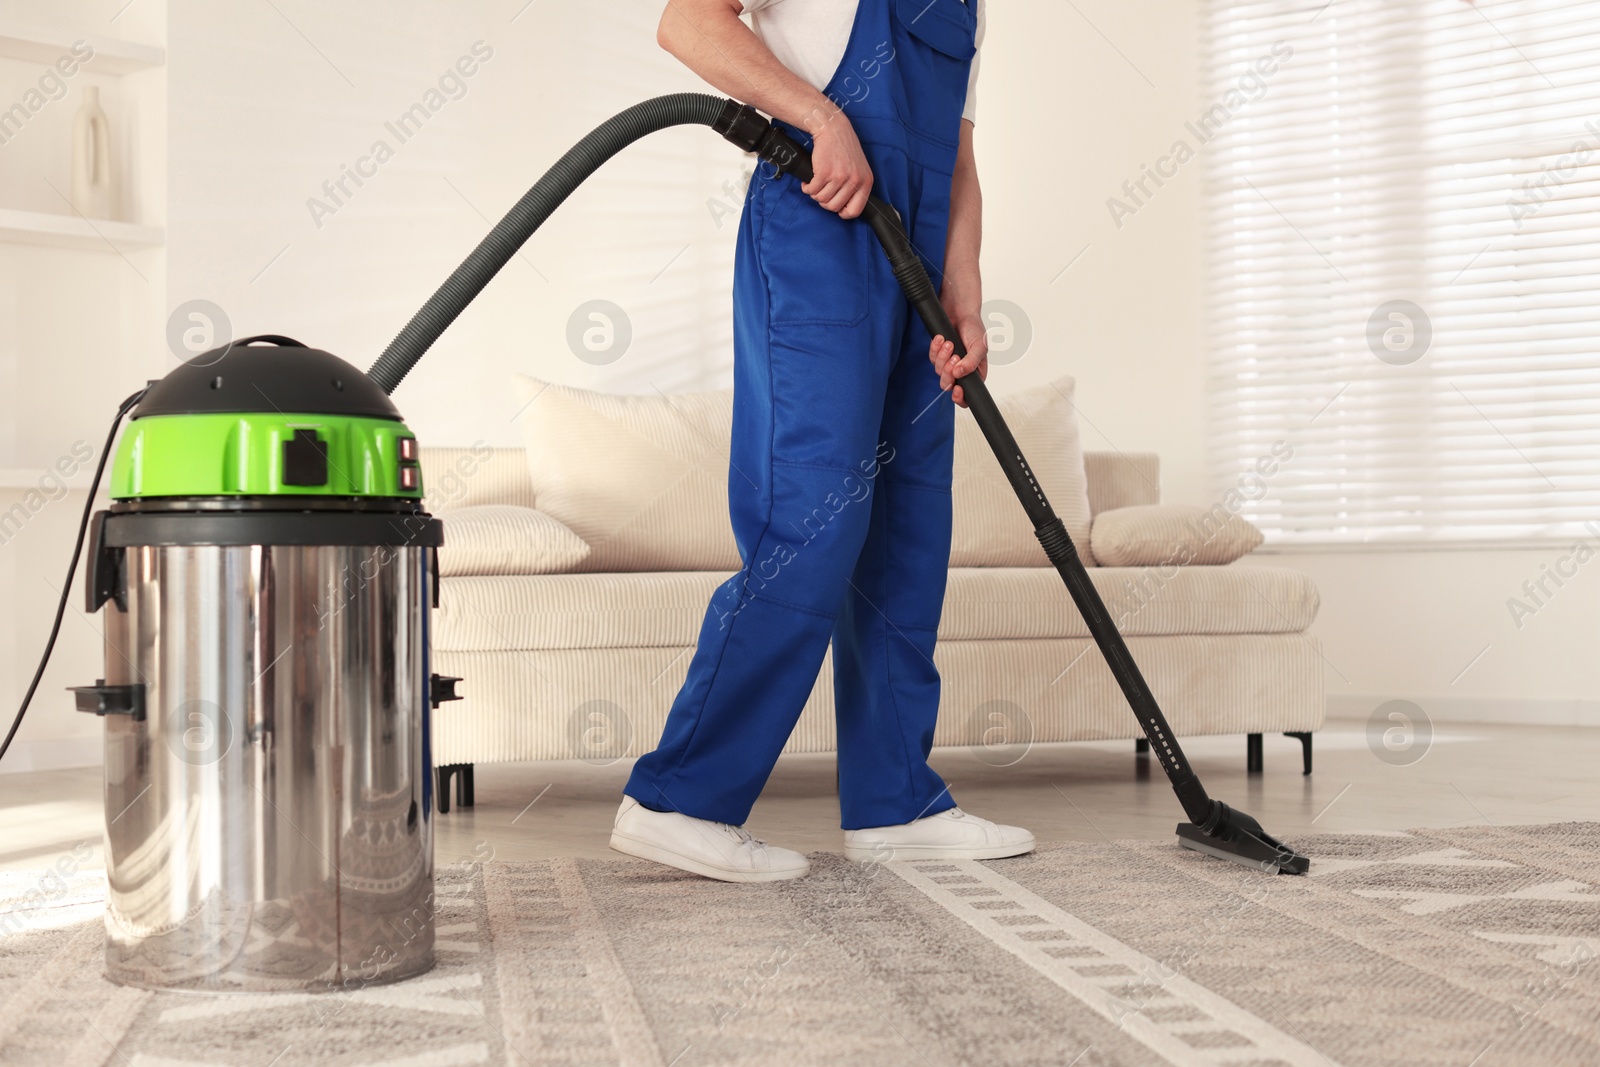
(839,485)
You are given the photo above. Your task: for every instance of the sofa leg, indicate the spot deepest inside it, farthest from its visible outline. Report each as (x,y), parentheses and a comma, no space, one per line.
(1252,753)
(1141,746)
(461,773)
(441,788)
(1304,737)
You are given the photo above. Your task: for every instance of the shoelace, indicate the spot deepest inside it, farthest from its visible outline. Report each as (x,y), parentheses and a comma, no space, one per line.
(743,836)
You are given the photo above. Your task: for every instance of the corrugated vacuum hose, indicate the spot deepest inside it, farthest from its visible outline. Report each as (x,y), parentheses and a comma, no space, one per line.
(1214,828)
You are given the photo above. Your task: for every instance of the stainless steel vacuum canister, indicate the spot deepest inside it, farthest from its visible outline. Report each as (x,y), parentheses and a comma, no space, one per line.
(265,572)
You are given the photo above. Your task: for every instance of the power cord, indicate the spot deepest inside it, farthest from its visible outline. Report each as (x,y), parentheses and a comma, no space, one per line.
(72,568)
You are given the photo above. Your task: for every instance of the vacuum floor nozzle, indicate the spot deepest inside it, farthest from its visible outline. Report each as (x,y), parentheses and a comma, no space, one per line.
(1239,839)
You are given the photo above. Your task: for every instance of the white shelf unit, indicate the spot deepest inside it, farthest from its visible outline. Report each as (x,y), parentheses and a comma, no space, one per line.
(75,231)
(77,326)
(45,44)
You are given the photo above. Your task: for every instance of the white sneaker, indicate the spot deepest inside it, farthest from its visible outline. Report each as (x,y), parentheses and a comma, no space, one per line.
(949,835)
(699,846)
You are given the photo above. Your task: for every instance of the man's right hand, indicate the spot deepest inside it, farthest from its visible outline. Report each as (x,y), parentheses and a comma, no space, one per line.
(711,40)
(841,180)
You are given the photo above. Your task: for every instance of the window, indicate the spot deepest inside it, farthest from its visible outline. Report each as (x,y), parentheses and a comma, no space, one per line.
(1404,267)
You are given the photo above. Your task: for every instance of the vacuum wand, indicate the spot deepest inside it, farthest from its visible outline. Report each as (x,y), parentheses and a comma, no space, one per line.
(1214,828)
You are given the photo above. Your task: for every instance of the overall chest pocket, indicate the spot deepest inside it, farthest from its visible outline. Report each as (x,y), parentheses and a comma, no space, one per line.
(937,56)
(815,262)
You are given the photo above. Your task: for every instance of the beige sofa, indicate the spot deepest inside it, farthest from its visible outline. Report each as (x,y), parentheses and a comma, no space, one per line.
(585,664)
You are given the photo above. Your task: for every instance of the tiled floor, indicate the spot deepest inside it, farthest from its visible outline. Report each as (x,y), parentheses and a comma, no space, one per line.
(1470,774)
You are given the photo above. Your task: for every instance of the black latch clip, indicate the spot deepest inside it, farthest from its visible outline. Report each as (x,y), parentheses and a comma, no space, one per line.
(442,687)
(106,576)
(103,699)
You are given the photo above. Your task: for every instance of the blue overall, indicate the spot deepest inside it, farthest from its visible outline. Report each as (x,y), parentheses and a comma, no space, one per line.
(839,480)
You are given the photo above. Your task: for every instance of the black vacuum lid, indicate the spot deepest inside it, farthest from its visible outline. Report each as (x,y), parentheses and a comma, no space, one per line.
(267,373)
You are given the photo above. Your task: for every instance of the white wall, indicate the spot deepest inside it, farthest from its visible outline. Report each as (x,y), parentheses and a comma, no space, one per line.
(268,101)
(1435,628)
(260,119)
(1069,109)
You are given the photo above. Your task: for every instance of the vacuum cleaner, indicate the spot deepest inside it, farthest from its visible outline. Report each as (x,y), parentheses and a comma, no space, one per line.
(266,569)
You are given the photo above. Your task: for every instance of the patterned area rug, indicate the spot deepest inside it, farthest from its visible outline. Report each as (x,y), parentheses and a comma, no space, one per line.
(1438,947)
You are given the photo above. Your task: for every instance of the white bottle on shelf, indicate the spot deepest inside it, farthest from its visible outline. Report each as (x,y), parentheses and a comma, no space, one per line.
(94,192)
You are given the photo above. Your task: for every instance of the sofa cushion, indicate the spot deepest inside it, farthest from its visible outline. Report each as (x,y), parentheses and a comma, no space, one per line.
(1164,534)
(477,474)
(505,539)
(656,609)
(990,529)
(642,479)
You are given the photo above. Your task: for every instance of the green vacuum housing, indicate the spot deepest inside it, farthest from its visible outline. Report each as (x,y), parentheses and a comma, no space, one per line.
(259,422)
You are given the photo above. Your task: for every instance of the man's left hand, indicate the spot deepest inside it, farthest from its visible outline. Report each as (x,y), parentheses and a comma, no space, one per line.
(941,353)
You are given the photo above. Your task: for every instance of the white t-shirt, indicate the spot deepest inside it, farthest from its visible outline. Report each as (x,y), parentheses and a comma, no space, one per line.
(810,36)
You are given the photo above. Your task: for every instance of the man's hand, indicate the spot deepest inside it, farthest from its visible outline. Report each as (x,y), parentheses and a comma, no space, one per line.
(942,354)
(841,180)
(712,41)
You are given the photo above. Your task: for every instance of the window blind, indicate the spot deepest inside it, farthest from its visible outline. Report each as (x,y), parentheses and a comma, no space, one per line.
(1403,248)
